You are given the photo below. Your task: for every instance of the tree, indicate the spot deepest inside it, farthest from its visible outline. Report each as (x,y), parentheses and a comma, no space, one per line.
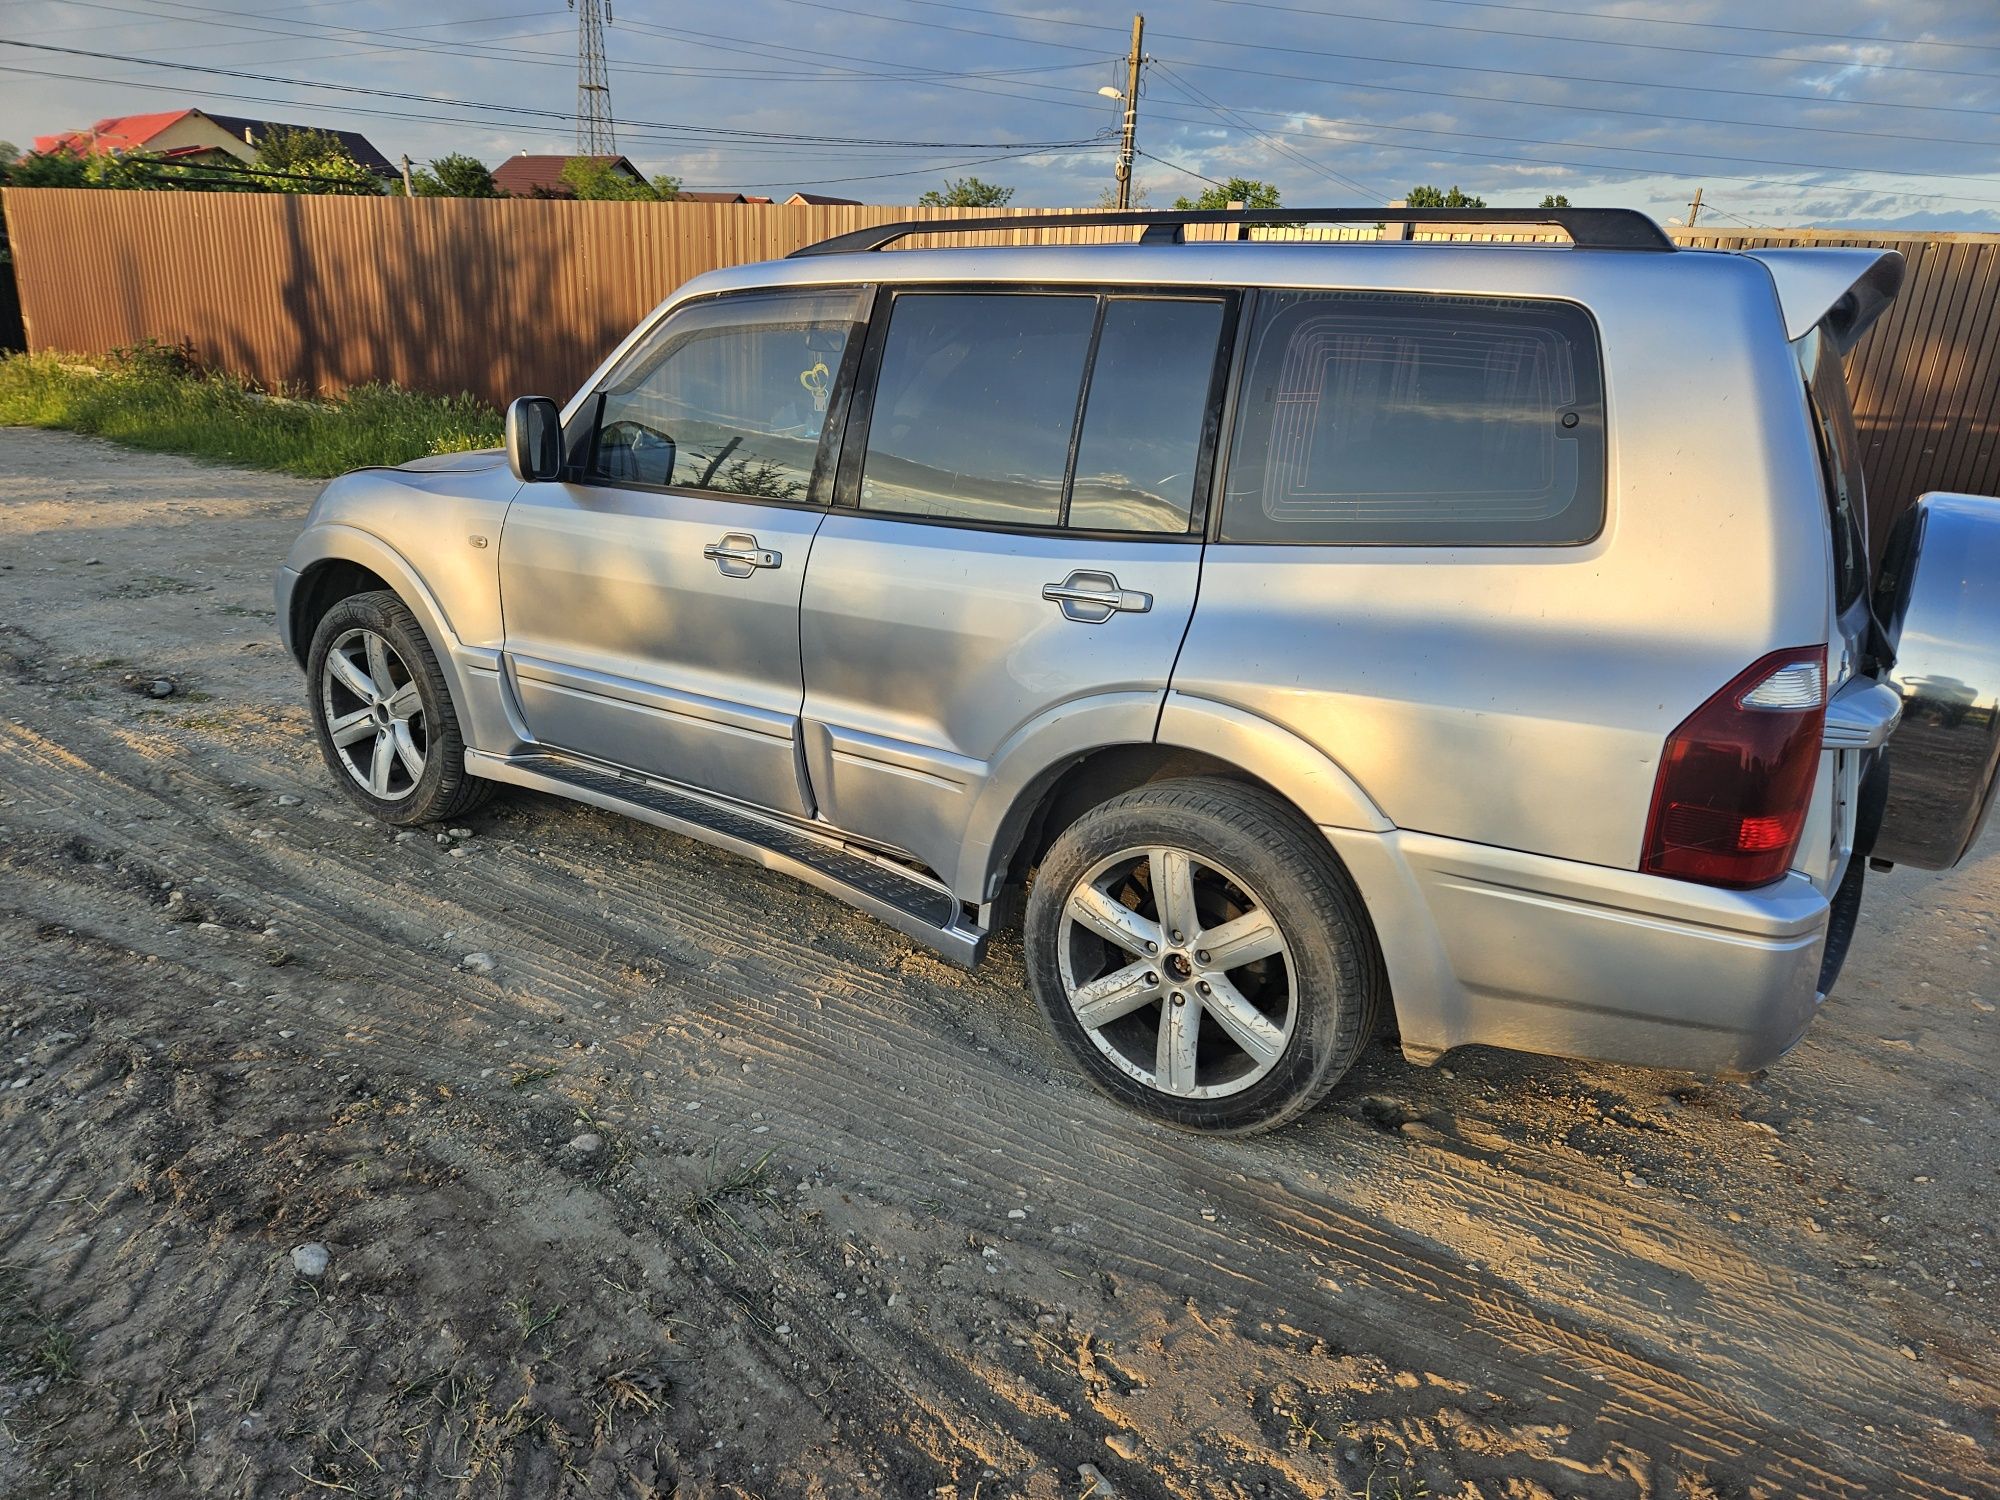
(454,176)
(1554,200)
(595,180)
(46,169)
(1430,197)
(1107,198)
(966,192)
(310,161)
(1247,191)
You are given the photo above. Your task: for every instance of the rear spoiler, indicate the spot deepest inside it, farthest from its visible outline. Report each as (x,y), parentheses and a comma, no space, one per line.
(1846,288)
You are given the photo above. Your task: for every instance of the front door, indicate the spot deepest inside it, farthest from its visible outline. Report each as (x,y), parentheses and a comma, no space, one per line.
(1017,536)
(651,602)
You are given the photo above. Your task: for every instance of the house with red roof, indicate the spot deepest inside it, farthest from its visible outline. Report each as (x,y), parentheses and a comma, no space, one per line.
(194,135)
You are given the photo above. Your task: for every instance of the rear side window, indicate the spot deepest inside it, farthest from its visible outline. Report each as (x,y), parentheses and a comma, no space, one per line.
(1404,419)
(1042,410)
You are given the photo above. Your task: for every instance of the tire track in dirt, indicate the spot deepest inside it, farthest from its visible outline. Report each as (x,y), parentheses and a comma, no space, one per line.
(1377,1260)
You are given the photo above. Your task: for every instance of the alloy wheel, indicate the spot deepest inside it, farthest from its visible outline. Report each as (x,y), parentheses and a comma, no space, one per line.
(374,714)
(1178,972)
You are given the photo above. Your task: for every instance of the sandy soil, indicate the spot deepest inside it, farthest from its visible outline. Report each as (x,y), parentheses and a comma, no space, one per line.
(853,1225)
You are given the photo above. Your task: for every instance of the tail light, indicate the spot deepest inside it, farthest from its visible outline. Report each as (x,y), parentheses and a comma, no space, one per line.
(1738,774)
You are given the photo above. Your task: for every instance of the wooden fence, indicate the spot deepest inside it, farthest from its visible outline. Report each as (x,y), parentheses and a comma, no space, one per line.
(505,297)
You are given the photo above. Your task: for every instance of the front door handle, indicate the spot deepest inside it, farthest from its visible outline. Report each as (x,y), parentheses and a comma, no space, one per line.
(738,555)
(1090,597)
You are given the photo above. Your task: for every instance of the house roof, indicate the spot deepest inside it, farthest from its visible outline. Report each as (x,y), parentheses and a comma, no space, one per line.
(358,145)
(688,197)
(822,200)
(526,176)
(133,132)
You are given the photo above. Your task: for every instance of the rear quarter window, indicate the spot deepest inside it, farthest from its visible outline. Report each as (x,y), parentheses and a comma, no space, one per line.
(1406,419)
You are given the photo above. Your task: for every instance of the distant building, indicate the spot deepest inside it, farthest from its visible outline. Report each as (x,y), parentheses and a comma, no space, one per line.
(821,200)
(194,135)
(718,198)
(526,176)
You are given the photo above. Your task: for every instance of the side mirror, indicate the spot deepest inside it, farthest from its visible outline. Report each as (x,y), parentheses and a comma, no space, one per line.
(534,439)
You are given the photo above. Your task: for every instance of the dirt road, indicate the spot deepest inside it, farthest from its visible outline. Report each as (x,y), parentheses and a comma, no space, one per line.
(851,1224)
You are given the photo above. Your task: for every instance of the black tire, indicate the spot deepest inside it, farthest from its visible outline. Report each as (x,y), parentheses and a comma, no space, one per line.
(1245,843)
(444,789)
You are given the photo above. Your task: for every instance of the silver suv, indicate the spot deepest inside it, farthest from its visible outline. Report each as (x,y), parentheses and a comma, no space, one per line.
(1482,632)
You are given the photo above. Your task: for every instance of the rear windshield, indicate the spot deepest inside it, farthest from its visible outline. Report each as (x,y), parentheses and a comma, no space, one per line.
(1840,464)
(1398,418)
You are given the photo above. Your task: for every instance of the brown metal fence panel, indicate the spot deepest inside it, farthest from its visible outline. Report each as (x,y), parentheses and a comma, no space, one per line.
(504,297)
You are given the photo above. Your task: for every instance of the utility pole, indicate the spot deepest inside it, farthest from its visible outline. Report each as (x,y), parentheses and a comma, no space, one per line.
(1694,208)
(594,135)
(1128,142)
(408,190)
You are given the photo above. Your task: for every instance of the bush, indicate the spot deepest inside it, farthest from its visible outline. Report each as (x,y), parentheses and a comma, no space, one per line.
(152,396)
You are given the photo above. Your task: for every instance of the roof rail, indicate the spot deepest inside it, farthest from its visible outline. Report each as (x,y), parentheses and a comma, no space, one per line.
(1589,228)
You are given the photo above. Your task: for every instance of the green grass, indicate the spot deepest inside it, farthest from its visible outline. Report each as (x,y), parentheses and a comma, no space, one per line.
(151,398)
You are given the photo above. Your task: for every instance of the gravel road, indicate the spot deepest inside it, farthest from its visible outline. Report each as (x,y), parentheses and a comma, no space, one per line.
(700,1183)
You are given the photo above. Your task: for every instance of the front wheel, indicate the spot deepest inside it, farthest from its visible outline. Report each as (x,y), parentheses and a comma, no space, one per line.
(1203,955)
(383,716)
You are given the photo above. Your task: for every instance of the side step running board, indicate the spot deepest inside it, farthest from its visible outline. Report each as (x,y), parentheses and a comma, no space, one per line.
(913,904)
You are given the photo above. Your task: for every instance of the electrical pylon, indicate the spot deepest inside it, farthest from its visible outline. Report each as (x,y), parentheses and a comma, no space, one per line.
(594,135)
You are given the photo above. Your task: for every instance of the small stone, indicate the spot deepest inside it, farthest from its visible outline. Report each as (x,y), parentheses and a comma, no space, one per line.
(161,687)
(404,837)
(1906,1351)
(587,1144)
(311,1260)
(1017,1213)
(286,799)
(93,562)
(1095,1485)
(478,963)
(460,833)
(1124,1445)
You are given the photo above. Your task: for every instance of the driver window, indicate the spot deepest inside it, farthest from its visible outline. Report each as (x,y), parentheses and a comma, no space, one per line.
(728,396)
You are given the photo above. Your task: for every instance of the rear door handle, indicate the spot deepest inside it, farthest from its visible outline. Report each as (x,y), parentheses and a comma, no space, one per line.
(738,555)
(1091,597)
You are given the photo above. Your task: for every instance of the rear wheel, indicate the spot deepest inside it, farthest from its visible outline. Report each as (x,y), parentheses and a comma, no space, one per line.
(383,716)
(1204,955)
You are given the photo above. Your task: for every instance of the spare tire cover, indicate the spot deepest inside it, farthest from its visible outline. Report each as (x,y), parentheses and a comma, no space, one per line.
(1939,601)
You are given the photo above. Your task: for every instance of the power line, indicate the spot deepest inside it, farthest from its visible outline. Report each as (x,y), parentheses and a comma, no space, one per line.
(1223,113)
(698,131)
(1593,41)
(1581,15)
(1763,161)
(760,48)
(1400,62)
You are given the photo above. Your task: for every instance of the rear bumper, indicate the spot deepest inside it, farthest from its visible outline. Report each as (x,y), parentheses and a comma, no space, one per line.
(1494,946)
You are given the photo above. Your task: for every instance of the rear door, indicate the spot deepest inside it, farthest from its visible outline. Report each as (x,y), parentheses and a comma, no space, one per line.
(651,601)
(1016,533)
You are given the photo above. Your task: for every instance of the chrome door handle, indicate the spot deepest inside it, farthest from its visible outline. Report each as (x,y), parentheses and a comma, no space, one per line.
(738,555)
(1091,597)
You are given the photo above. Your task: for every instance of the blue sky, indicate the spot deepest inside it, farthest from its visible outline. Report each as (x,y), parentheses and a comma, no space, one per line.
(1835,112)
